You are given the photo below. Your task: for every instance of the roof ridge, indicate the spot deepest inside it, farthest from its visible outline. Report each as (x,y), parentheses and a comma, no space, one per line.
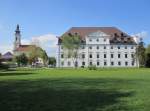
(95,27)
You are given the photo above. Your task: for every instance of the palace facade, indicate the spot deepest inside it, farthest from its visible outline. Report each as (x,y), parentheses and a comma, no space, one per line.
(102,47)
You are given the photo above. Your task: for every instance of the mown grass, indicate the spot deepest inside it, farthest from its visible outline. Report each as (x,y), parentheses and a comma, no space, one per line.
(75,90)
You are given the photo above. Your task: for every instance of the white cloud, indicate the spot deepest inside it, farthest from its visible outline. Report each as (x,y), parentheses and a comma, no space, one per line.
(25,41)
(142,34)
(48,42)
(138,36)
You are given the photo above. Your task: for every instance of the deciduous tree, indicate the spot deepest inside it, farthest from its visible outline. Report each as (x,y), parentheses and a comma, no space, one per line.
(37,52)
(71,44)
(52,61)
(0,58)
(21,60)
(148,56)
(141,53)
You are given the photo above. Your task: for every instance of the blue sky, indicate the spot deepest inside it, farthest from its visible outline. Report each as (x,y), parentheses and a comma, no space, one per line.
(54,17)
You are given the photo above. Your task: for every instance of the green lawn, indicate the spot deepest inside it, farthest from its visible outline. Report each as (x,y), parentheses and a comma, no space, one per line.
(75,90)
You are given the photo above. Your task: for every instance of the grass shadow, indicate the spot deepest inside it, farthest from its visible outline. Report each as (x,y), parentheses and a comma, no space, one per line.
(14,73)
(62,95)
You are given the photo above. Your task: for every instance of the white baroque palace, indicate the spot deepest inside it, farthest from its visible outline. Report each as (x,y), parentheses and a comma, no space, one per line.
(102,46)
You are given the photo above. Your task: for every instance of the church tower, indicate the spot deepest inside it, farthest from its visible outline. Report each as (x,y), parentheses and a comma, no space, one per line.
(17,42)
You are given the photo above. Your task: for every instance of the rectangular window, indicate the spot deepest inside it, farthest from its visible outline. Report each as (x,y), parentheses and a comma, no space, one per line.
(119,63)
(76,64)
(112,63)
(62,55)
(90,40)
(90,47)
(118,47)
(83,63)
(126,55)
(125,47)
(97,40)
(90,63)
(132,47)
(132,55)
(62,63)
(83,47)
(69,63)
(83,56)
(119,55)
(97,63)
(111,47)
(97,55)
(90,55)
(105,63)
(97,47)
(112,55)
(105,56)
(132,63)
(104,47)
(126,63)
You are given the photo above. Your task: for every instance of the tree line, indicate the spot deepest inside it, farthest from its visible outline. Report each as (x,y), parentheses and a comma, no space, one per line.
(31,58)
(143,54)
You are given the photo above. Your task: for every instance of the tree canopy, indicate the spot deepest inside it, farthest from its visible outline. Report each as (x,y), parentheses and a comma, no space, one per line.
(52,61)
(148,56)
(21,60)
(71,43)
(141,53)
(0,58)
(37,52)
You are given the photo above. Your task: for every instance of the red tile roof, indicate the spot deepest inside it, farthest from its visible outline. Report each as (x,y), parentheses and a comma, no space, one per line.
(116,35)
(24,48)
(84,31)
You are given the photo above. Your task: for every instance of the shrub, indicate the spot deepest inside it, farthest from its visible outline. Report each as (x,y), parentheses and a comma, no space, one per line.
(3,66)
(82,66)
(92,67)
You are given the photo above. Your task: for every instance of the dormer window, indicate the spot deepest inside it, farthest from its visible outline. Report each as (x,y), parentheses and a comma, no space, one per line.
(129,39)
(115,34)
(69,34)
(122,34)
(104,40)
(76,33)
(97,40)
